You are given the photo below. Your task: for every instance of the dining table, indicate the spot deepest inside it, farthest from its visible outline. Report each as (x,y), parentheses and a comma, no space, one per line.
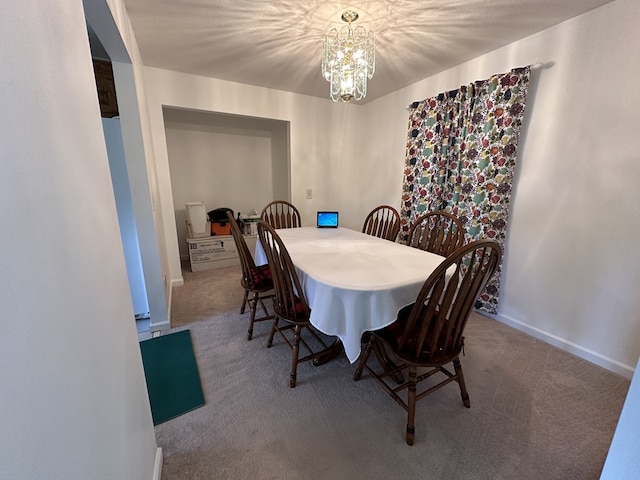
(354,282)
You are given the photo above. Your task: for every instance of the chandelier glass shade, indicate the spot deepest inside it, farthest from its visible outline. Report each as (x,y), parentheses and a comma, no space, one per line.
(348,60)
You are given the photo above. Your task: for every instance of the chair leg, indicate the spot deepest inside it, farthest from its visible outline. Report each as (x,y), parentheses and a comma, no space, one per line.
(264,307)
(463,387)
(274,327)
(253,305)
(363,358)
(388,364)
(411,404)
(244,301)
(294,355)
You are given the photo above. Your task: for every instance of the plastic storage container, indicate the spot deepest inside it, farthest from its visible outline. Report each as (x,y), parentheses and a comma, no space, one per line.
(198,225)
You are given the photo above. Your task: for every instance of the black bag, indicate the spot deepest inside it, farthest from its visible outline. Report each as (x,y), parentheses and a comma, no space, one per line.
(219,221)
(219,215)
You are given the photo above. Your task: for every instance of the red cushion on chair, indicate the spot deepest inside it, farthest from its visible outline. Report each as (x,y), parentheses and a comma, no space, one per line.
(293,310)
(393,335)
(299,307)
(394,332)
(262,277)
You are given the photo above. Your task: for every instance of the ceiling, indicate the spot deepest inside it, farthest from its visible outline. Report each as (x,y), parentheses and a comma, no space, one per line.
(278,44)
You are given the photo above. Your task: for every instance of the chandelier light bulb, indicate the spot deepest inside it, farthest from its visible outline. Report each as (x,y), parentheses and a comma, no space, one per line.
(348,60)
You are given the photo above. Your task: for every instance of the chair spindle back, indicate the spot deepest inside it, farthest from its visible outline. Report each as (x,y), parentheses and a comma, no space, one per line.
(438,317)
(382,222)
(281,214)
(436,232)
(290,302)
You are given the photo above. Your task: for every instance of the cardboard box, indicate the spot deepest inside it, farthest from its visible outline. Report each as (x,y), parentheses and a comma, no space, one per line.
(212,252)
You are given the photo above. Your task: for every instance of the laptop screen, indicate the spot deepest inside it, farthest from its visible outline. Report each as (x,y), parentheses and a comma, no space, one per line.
(327,219)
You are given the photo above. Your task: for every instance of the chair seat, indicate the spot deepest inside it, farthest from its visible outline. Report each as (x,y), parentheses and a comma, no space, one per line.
(394,333)
(262,277)
(299,314)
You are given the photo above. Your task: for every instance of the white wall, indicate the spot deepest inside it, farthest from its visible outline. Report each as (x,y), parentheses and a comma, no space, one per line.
(318,132)
(126,218)
(623,460)
(572,267)
(109,20)
(222,160)
(207,167)
(141,173)
(74,403)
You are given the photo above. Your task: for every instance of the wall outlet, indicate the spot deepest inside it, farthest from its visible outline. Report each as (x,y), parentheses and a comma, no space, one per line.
(309,193)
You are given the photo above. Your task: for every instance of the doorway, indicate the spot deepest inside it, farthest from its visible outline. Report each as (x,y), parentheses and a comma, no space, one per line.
(224,160)
(124,142)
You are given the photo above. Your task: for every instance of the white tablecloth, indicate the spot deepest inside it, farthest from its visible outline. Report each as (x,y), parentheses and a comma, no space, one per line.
(354,282)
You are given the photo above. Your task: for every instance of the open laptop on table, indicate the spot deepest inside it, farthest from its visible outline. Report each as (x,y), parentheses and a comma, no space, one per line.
(326,219)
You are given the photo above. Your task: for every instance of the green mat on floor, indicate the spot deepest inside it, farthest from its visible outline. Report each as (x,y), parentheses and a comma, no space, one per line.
(173,380)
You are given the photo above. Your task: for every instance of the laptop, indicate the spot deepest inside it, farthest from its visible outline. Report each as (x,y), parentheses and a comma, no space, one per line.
(327,220)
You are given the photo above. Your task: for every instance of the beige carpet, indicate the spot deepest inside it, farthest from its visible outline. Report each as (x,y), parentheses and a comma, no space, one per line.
(206,295)
(536,411)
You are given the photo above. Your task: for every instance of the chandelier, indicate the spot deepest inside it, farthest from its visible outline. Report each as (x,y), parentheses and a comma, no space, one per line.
(348,60)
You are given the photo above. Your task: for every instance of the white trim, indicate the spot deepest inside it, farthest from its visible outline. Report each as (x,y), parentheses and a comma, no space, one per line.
(176,282)
(154,327)
(157,468)
(582,352)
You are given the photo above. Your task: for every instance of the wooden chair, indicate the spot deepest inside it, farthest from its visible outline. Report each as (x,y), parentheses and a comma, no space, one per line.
(428,334)
(290,304)
(436,232)
(281,214)
(382,222)
(255,280)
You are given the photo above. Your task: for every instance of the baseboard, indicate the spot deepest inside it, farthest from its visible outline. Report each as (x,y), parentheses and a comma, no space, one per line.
(577,350)
(176,282)
(157,469)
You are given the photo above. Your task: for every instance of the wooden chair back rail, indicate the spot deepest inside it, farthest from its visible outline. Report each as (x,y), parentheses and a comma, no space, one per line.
(281,214)
(382,222)
(436,232)
(246,260)
(289,293)
(443,305)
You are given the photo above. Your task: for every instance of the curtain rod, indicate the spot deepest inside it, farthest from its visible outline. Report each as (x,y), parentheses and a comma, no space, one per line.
(544,65)
(533,66)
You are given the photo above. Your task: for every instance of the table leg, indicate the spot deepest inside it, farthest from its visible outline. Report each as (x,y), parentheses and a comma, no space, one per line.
(328,354)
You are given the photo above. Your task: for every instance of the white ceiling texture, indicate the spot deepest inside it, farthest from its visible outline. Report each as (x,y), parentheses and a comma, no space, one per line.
(278,44)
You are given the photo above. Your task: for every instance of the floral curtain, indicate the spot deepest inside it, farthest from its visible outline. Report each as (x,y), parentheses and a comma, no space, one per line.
(461,156)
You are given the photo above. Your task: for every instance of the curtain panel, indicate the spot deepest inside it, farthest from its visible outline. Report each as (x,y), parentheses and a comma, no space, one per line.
(461,157)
